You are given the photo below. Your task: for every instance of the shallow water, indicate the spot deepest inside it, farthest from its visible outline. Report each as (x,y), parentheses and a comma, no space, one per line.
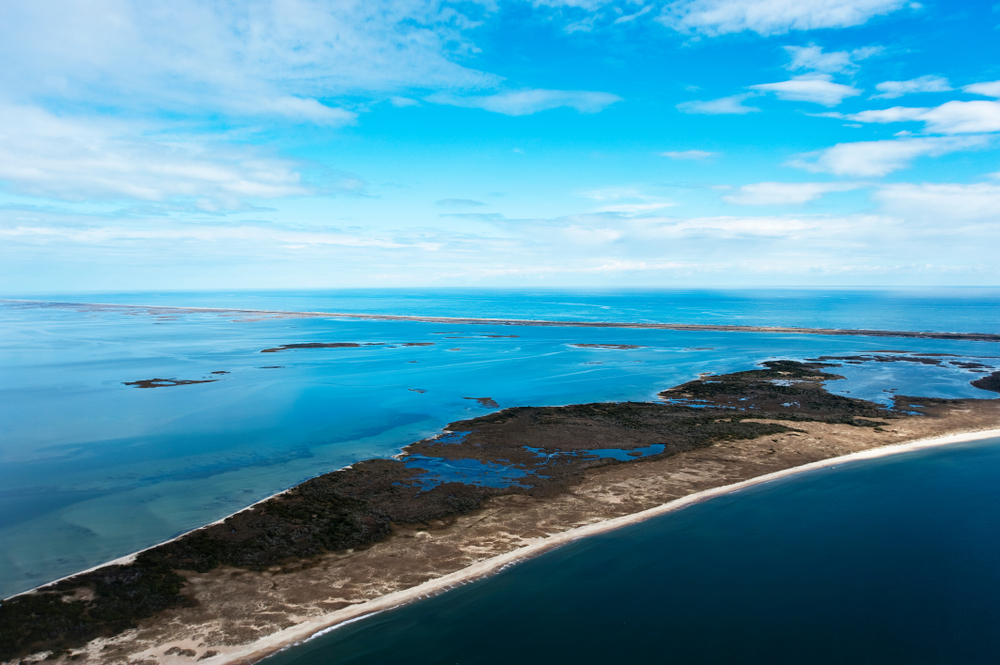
(92,469)
(892,560)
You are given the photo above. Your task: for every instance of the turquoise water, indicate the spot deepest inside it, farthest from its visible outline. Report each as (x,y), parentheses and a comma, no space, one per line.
(888,561)
(92,469)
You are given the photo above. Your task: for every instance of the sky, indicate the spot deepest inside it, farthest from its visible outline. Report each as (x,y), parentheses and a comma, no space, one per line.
(291,144)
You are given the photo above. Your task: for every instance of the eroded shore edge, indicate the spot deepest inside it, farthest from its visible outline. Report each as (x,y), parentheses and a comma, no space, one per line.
(313,628)
(688,327)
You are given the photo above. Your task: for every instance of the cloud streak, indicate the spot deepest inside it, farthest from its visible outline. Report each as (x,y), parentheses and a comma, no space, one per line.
(814,59)
(815,88)
(732,105)
(954,117)
(527,102)
(688,154)
(786,193)
(770,17)
(83,160)
(894,89)
(258,58)
(879,158)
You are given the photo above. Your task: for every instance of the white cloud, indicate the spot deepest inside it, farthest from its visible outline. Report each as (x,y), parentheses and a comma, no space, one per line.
(634,208)
(109,233)
(631,17)
(894,89)
(526,102)
(942,202)
(253,58)
(894,114)
(786,193)
(626,201)
(991,89)
(589,5)
(816,88)
(688,154)
(767,17)
(813,58)
(963,117)
(612,193)
(878,158)
(73,159)
(952,117)
(723,106)
(173,67)
(459,203)
(402,102)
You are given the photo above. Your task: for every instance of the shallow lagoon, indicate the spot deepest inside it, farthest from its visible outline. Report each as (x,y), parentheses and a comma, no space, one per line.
(92,469)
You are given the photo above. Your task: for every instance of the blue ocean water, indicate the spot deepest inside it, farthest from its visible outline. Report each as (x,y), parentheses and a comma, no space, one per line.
(888,561)
(92,469)
(973,309)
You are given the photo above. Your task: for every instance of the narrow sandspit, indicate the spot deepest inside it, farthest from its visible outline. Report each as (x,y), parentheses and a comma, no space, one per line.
(258,314)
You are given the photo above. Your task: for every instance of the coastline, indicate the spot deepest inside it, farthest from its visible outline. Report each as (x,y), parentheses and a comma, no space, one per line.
(322,625)
(680,327)
(764,424)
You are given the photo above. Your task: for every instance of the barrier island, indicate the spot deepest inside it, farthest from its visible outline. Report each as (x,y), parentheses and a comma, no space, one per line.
(484,492)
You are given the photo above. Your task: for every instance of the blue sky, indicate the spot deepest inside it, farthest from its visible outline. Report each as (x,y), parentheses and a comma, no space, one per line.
(300,143)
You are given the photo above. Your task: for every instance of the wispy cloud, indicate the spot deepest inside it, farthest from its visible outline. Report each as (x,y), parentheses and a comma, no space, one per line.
(814,59)
(894,89)
(688,154)
(526,102)
(627,201)
(72,159)
(722,106)
(459,203)
(403,102)
(933,201)
(769,17)
(879,158)
(815,88)
(954,117)
(256,58)
(989,89)
(631,17)
(786,193)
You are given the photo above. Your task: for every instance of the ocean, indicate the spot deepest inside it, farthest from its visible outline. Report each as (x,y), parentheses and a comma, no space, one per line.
(92,468)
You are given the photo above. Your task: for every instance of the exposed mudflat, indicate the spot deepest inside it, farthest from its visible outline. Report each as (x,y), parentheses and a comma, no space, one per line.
(165,383)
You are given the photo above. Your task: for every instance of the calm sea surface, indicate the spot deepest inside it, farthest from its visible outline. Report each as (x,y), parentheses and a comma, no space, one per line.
(92,469)
(889,561)
(942,310)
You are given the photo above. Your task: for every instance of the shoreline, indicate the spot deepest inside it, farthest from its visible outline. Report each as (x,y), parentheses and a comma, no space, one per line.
(315,628)
(766,423)
(680,327)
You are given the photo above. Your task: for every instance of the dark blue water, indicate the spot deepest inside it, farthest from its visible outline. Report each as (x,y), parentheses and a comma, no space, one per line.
(895,560)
